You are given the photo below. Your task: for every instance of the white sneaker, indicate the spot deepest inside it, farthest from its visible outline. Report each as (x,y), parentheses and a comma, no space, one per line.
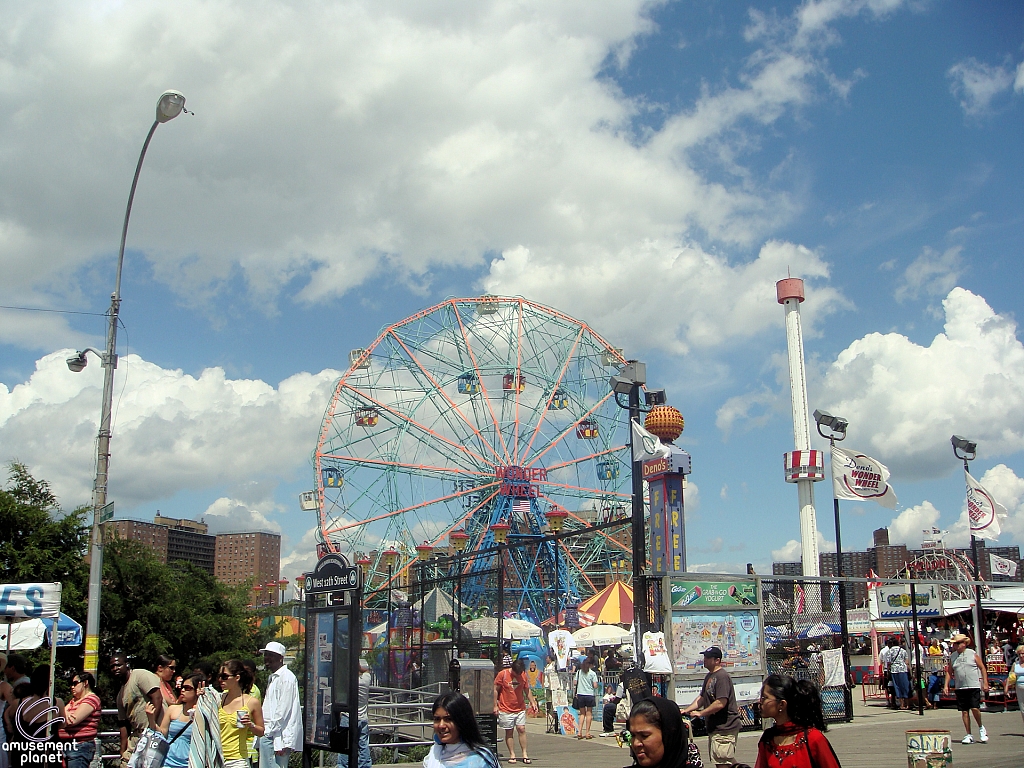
(605,734)
(968,739)
(983,733)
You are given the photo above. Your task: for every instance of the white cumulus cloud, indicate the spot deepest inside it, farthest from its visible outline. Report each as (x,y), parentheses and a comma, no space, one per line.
(172,431)
(976,84)
(903,400)
(909,525)
(790,552)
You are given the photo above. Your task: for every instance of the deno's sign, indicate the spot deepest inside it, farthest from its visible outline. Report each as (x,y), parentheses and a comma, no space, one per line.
(30,601)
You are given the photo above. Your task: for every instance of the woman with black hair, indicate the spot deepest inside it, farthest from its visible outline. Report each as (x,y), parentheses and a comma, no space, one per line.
(457,739)
(167,670)
(658,738)
(797,739)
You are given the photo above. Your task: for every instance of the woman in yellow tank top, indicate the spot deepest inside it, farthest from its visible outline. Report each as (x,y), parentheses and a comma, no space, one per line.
(234,738)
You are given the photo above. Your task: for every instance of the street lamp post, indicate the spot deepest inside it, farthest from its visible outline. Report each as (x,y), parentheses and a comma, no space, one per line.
(629,381)
(389,557)
(837,427)
(424,552)
(169,106)
(967,450)
(500,531)
(459,540)
(556,519)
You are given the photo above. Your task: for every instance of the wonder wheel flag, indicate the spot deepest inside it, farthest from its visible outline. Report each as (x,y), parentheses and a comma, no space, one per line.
(1002,566)
(647,446)
(860,478)
(983,511)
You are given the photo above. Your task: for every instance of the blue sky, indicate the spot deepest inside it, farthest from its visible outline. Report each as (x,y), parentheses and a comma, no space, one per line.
(650,168)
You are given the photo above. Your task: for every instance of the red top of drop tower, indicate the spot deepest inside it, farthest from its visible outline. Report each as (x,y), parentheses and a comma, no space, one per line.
(790,288)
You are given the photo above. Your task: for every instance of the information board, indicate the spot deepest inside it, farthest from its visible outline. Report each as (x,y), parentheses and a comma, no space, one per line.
(725,613)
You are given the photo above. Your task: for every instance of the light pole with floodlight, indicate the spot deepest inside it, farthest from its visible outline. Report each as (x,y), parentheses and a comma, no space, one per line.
(169,106)
(967,450)
(837,426)
(389,558)
(556,519)
(500,532)
(459,540)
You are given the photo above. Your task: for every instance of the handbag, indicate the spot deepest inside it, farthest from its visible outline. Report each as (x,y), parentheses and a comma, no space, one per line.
(150,751)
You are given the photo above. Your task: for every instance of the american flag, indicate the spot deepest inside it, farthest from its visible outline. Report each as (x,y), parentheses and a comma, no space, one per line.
(521,507)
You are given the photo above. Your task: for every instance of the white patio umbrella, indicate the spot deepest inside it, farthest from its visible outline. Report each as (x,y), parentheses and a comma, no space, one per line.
(601,634)
(511,629)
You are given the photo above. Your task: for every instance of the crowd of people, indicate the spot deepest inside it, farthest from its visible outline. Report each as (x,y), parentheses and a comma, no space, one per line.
(208,716)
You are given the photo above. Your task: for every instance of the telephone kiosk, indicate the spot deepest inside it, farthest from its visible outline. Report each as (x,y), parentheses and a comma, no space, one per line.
(334,633)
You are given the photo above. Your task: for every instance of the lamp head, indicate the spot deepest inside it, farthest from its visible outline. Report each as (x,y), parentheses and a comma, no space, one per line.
(459,540)
(654,397)
(963,448)
(424,551)
(837,424)
(78,362)
(556,519)
(389,557)
(500,531)
(170,105)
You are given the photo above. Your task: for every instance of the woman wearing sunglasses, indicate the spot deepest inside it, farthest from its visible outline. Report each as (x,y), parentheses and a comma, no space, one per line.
(241,716)
(176,723)
(166,670)
(81,722)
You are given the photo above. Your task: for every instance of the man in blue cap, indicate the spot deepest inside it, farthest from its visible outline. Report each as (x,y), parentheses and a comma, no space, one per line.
(717,705)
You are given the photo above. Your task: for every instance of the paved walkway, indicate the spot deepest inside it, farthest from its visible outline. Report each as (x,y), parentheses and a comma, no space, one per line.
(875,739)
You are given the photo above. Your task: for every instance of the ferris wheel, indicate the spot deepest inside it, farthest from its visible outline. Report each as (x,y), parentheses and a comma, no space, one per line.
(471,413)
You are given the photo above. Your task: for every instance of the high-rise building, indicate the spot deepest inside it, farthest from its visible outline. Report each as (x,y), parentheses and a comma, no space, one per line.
(245,555)
(148,534)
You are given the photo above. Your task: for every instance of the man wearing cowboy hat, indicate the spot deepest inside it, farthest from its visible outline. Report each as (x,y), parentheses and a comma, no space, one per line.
(971,677)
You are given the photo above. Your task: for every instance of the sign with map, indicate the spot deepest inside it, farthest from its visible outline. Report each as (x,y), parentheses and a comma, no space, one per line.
(736,632)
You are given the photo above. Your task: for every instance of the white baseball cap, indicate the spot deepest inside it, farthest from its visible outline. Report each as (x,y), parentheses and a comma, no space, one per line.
(274,648)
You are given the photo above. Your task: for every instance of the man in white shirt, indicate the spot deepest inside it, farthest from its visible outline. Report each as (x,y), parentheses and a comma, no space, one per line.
(282,716)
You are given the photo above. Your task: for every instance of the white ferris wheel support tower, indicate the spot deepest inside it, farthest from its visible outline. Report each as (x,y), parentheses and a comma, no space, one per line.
(804,466)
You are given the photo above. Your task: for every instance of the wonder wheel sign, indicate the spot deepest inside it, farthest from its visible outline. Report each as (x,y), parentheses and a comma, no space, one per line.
(948,566)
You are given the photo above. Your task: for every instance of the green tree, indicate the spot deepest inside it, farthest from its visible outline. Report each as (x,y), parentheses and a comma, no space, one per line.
(40,542)
(149,608)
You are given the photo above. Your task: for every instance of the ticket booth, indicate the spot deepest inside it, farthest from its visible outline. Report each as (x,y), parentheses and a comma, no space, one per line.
(334,634)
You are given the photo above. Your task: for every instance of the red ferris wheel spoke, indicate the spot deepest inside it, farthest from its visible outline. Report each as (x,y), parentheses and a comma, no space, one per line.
(420,468)
(582,489)
(554,389)
(483,388)
(409,420)
(442,393)
(572,462)
(449,497)
(586,524)
(556,440)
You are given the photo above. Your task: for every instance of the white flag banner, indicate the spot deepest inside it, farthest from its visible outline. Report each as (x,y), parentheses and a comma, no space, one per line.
(857,477)
(1002,566)
(647,446)
(983,511)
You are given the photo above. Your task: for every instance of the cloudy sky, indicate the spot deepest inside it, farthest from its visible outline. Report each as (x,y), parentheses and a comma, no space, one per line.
(651,168)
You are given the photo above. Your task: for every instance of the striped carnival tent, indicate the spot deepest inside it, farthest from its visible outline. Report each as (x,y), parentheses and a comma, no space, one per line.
(612,605)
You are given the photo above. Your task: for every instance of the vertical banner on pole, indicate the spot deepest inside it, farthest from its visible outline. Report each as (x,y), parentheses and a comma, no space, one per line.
(676,528)
(659,529)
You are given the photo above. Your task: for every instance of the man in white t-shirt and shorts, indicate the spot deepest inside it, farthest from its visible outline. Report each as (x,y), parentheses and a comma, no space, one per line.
(968,670)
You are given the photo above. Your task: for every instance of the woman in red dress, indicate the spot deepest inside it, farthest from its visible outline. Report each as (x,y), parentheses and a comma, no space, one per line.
(797,739)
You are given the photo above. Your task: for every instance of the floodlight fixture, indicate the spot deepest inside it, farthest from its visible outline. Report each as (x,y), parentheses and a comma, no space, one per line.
(654,397)
(837,425)
(963,448)
(169,106)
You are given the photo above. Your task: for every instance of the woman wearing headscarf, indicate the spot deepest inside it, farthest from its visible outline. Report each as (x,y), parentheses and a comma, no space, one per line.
(658,738)
(797,739)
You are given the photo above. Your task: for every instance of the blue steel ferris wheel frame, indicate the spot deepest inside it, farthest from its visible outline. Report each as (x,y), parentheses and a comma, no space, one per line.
(469,413)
